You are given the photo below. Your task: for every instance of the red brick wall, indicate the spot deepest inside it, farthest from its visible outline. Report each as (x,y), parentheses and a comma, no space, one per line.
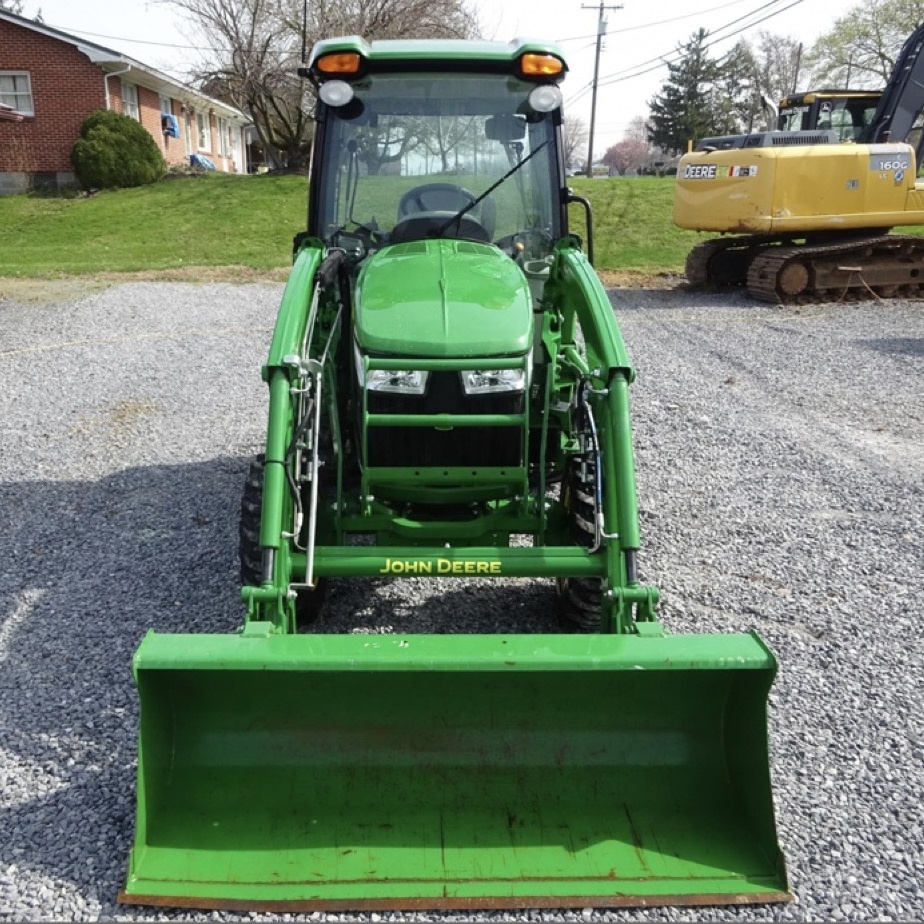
(65,88)
(173,149)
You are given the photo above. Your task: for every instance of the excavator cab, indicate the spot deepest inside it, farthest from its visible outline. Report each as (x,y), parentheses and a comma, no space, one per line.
(846,112)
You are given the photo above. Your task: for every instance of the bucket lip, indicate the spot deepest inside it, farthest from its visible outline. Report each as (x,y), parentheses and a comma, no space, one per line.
(129,896)
(462,652)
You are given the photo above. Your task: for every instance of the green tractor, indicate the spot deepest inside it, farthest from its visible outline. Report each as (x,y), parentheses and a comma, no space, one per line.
(448,396)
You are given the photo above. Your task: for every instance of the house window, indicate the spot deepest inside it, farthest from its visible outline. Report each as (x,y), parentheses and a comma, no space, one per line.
(130,101)
(16,91)
(165,104)
(205,131)
(223,134)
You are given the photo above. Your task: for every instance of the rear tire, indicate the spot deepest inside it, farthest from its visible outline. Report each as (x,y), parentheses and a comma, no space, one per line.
(581,597)
(308,602)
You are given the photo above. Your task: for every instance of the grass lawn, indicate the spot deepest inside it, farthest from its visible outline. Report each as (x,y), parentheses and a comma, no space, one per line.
(633,230)
(210,220)
(219,220)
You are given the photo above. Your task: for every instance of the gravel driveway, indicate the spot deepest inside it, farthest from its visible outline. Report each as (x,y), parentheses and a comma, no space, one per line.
(780,457)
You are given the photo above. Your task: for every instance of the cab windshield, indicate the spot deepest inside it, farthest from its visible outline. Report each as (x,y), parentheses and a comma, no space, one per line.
(848,117)
(411,157)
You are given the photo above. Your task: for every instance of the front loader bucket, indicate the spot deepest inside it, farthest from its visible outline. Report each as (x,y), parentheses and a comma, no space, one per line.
(384,772)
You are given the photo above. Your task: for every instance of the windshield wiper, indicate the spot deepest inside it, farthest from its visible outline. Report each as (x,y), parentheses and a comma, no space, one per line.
(467,208)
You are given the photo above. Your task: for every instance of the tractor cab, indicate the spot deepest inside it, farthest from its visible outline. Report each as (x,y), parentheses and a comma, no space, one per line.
(431,155)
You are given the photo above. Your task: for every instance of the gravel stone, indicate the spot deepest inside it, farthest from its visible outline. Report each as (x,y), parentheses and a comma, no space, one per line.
(780,468)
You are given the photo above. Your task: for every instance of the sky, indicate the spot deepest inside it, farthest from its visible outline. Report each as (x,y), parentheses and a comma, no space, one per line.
(639,36)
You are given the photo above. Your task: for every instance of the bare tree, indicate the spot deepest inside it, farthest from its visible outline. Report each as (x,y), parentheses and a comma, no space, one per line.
(386,19)
(777,64)
(637,129)
(251,50)
(576,136)
(18,8)
(447,137)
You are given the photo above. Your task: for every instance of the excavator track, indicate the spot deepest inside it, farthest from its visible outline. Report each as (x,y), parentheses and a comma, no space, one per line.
(723,262)
(881,266)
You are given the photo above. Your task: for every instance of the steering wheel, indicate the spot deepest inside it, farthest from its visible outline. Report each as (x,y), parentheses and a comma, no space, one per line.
(423,225)
(434,197)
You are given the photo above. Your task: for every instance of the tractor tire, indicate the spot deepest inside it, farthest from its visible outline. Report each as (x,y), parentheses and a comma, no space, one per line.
(581,598)
(308,603)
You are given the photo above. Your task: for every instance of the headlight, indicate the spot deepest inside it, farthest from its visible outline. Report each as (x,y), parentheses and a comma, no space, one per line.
(493,381)
(396,381)
(402,382)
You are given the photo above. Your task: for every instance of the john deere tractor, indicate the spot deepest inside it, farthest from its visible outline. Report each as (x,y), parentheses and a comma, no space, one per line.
(445,378)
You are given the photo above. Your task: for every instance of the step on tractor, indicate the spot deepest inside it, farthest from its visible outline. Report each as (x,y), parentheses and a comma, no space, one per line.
(807,214)
(448,397)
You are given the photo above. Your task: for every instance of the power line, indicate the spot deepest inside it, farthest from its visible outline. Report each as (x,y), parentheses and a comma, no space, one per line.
(659,22)
(575,38)
(663,60)
(131,41)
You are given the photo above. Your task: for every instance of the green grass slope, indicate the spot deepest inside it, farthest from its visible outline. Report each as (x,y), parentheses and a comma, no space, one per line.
(219,220)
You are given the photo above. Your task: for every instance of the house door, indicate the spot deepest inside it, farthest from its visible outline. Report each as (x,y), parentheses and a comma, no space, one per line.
(237,149)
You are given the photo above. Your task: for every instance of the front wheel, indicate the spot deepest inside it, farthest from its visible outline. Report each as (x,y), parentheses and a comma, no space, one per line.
(309,601)
(581,597)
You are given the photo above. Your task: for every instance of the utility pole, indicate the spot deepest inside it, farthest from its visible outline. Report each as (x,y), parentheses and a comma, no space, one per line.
(601,31)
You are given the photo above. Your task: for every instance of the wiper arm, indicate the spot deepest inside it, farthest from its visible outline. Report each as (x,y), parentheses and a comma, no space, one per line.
(467,208)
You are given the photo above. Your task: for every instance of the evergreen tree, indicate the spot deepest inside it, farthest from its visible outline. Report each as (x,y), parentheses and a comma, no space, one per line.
(684,110)
(705,97)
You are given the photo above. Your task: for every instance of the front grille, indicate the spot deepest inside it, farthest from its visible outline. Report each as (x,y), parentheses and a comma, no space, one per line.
(462,446)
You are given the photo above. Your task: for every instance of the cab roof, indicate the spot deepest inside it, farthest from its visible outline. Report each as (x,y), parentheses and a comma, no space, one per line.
(449,54)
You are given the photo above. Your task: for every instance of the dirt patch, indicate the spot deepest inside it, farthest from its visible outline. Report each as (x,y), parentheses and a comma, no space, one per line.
(64,288)
(40,291)
(618,279)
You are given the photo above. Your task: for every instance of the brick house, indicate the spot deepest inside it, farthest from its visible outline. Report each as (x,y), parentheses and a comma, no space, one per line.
(50,81)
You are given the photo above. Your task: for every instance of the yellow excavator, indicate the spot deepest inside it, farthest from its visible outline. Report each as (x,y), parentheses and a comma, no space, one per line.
(808,215)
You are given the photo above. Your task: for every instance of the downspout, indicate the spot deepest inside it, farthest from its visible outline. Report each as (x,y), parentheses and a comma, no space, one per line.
(124,70)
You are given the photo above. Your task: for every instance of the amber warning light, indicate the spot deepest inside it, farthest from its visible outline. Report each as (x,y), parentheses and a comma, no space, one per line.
(533,65)
(346,62)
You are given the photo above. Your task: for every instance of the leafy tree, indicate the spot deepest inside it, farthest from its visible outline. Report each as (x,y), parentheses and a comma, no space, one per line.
(686,107)
(625,155)
(862,46)
(114,151)
(254,48)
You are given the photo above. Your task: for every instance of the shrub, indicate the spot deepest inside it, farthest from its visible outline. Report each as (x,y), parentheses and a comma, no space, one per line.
(114,151)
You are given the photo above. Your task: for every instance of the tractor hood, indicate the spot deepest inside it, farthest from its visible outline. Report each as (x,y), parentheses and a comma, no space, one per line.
(443,298)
